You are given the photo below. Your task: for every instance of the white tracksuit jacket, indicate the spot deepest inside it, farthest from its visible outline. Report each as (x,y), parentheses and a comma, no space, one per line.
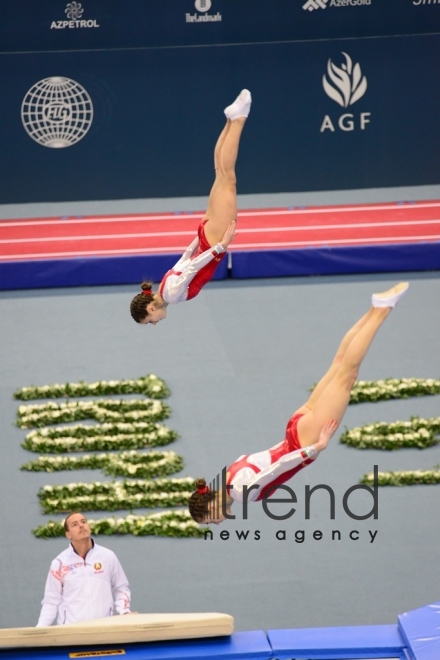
(80,589)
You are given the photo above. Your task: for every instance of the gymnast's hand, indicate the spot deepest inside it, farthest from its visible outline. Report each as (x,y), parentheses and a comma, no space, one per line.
(324,437)
(229,234)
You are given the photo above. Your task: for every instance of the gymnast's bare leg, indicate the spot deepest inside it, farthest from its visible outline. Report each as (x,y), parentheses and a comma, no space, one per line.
(331,396)
(222,204)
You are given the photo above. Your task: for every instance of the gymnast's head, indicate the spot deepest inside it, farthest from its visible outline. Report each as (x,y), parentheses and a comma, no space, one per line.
(148,307)
(205,504)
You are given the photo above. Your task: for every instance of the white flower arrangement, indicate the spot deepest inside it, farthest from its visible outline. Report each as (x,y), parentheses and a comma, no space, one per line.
(110,496)
(177,524)
(127,463)
(102,410)
(150,385)
(404,478)
(417,432)
(99,437)
(393,388)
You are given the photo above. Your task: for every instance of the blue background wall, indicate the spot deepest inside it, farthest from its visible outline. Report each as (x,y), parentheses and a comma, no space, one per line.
(158,85)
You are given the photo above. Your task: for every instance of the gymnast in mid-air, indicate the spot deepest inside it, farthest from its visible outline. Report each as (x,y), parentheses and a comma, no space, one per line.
(216,230)
(253,477)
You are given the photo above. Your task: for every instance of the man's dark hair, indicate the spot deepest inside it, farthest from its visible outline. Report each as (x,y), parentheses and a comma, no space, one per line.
(65,524)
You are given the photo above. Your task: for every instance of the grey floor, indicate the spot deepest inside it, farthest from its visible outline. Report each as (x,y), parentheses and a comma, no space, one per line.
(238,359)
(324,197)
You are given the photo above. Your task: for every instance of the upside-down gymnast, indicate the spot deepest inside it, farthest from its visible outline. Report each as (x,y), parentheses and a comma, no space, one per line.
(217,229)
(253,477)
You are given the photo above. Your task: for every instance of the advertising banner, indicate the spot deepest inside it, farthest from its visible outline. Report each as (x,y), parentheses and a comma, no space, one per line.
(57,25)
(109,123)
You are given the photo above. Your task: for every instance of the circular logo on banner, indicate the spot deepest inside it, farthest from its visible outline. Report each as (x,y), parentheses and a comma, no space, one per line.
(203,5)
(73,10)
(57,112)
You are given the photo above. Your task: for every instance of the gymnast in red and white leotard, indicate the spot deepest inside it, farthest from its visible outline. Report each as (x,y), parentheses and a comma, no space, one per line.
(193,270)
(256,476)
(197,265)
(263,471)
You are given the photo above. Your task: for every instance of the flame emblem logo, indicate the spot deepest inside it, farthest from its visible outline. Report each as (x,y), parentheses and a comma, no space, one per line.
(347,84)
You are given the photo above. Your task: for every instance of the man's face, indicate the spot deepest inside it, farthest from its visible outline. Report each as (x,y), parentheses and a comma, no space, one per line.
(78,528)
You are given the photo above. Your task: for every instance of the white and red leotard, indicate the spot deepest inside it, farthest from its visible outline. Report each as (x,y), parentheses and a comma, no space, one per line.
(193,270)
(270,468)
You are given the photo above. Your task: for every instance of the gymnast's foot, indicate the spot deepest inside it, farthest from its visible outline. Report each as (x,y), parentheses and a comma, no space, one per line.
(241,106)
(391,297)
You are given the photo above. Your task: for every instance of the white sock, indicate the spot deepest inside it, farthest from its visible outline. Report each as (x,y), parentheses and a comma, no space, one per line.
(390,298)
(241,106)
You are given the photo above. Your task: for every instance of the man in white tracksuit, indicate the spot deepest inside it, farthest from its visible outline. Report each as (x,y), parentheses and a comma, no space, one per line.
(86,581)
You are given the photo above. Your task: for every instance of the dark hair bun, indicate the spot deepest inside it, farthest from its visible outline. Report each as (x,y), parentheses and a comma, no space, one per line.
(146,286)
(200,483)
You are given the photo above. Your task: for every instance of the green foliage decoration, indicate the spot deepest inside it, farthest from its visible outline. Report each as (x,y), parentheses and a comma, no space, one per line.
(102,410)
(404,478)
(121,464)
(393,388)
(151,386)
(417,432)
(116,495)
(99,437)
(175,524)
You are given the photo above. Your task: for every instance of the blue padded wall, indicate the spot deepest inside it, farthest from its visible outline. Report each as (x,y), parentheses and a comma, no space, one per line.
(90,271)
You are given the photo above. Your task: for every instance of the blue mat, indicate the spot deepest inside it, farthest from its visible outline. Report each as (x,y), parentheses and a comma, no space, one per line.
(241,645)
(337,643)
(415,637)
(421,631)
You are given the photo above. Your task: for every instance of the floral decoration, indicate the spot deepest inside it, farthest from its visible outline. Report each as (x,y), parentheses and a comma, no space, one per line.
(417,432)
(177,524)
(102,410)
(393,388)
(404,478)
(122,464)
(98,437)
(112,496)
(150,385)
